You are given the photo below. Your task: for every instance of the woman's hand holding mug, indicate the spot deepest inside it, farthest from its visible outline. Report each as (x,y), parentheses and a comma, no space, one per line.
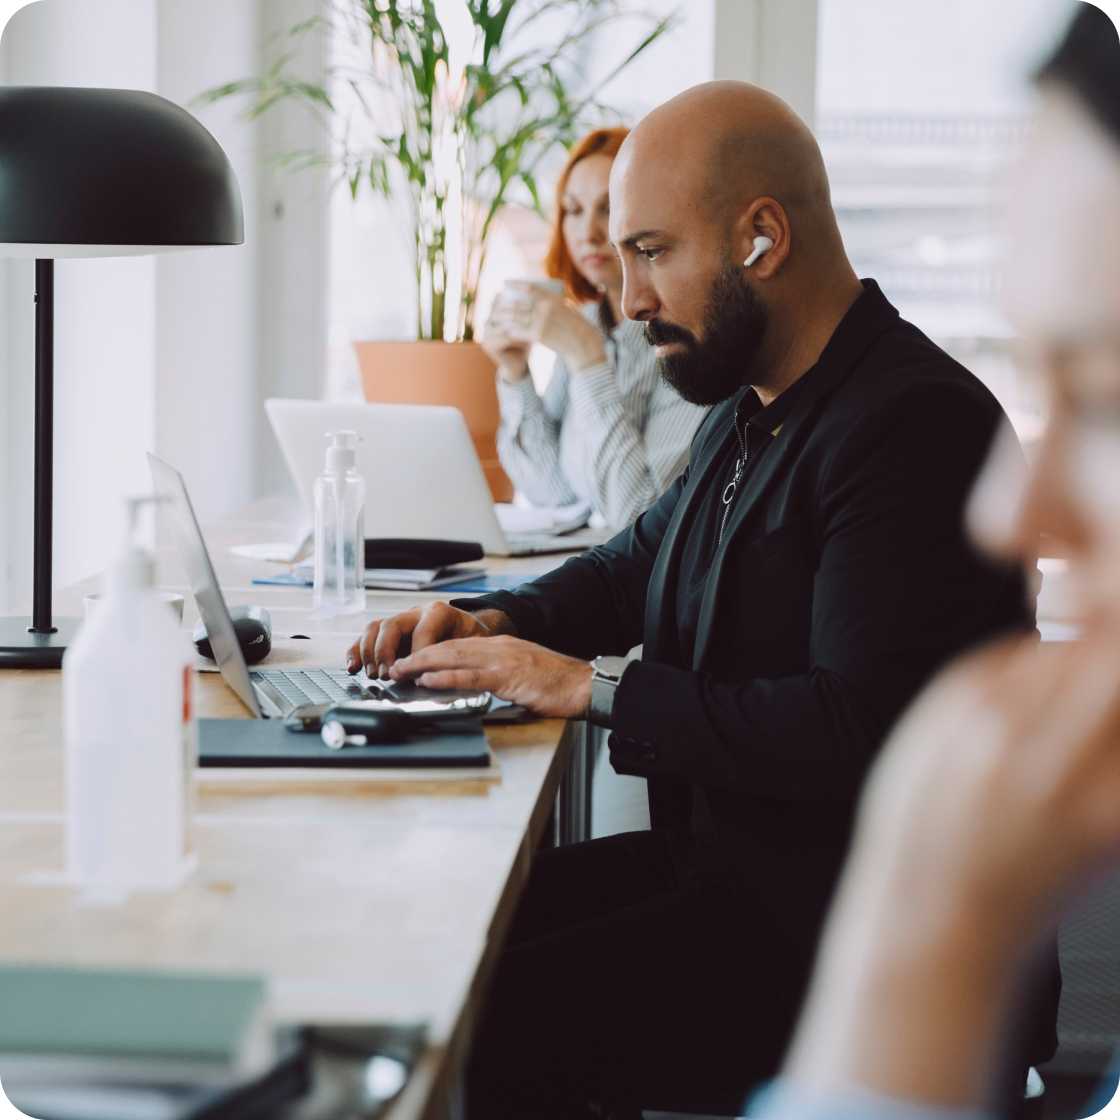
(535,311)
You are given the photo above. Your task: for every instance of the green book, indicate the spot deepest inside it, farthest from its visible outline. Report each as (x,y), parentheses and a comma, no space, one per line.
(71,1022)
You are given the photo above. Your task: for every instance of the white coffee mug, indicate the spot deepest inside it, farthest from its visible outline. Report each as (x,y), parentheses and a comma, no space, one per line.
(518,296)
(522,290)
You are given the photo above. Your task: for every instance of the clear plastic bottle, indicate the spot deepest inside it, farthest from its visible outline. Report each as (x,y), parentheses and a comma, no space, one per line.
(340,498)
(130,735)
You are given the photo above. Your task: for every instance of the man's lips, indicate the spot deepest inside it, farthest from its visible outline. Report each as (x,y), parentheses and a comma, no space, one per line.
(659,341)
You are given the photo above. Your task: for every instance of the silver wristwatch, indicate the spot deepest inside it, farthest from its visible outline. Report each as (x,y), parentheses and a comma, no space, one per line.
(606,673)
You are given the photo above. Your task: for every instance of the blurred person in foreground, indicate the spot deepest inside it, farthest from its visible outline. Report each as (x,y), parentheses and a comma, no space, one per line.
(607,432)
(997,799)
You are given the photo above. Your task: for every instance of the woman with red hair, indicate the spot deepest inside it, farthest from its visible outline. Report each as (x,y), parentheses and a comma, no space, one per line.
(608,431)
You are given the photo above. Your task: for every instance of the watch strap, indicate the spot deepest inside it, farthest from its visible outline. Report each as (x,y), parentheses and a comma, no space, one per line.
(606,675)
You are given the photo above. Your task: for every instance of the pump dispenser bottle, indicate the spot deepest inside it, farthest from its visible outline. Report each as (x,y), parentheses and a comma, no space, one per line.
(340,497)
(130,735)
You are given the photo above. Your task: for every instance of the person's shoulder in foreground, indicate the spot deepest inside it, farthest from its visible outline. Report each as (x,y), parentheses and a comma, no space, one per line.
(784,1101)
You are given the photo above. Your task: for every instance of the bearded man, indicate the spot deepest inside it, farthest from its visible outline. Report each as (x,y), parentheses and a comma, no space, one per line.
(792,590)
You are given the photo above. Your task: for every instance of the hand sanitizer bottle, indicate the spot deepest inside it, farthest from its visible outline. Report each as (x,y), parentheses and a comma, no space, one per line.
(340,498)
(130,735)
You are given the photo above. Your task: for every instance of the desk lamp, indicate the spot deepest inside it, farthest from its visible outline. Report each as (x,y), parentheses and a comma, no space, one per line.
(94,173)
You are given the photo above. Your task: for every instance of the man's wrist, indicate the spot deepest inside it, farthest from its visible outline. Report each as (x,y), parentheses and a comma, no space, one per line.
(606,675)
(496,621)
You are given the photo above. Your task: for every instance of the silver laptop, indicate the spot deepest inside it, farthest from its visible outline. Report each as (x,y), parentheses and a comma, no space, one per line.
(276,693)
(423,477)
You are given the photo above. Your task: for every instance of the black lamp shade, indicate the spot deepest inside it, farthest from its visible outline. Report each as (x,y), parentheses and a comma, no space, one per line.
(90,173)
(110,167)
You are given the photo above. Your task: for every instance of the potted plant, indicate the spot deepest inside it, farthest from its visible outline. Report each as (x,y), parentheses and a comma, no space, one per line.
(459,134)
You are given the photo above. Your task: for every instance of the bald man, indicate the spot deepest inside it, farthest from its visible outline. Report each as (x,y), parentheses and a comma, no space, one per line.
(793,590)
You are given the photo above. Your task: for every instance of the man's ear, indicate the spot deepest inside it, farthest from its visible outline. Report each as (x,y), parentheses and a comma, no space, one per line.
(765,217)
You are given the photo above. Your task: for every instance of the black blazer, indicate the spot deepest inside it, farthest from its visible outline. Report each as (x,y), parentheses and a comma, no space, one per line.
(843,582)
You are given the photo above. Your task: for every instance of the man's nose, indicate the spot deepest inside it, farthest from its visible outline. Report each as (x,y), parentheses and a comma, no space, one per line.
(639,300)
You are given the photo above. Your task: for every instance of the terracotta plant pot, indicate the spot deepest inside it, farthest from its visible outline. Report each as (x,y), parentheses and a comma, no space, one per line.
(454,373)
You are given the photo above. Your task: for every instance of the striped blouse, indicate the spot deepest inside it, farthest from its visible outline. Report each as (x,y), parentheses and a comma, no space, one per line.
(613,436)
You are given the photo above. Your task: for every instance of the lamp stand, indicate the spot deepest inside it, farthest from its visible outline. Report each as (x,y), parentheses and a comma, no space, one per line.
(39,642)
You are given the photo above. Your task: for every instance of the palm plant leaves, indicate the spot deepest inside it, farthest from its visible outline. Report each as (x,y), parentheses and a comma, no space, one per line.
(459,144)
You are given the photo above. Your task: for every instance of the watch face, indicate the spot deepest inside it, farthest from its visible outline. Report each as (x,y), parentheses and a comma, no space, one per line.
(609,667)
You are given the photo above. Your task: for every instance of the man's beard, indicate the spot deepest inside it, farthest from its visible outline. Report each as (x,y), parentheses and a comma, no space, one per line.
(712,368)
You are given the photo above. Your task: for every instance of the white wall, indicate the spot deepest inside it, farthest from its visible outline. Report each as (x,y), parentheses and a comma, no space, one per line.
(173,353)
(105,315)
(681,58)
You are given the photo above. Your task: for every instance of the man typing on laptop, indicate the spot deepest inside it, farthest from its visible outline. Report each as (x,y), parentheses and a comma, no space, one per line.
(792,590)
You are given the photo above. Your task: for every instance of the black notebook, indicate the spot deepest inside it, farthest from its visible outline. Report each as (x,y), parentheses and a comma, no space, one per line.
(397,552)
(267,742)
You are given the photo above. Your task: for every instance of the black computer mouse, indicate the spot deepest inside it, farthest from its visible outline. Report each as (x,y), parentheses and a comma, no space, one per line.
(253,627)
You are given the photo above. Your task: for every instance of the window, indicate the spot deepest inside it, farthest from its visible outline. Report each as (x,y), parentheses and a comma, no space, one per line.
(920,109)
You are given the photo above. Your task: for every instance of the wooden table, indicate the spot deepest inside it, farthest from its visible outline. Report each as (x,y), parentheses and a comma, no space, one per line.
(384,904)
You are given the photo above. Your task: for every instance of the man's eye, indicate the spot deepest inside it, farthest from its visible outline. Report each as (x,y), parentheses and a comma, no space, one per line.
(650,254)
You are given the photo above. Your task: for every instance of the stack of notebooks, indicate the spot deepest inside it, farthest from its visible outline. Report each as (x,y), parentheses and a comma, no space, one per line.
(387,579)
(84,1044)
(403,579)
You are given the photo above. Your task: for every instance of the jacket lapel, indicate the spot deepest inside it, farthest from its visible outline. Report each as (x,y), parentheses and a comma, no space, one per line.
(867,319)
(660,616)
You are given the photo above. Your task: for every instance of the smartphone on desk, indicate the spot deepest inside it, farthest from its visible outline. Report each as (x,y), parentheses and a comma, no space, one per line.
(425,705)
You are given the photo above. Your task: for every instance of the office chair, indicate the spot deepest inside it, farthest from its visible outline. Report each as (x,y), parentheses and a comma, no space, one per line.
(1079,1077)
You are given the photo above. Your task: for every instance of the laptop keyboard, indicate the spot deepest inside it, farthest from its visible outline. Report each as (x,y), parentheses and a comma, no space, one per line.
(312,686)
(529,544)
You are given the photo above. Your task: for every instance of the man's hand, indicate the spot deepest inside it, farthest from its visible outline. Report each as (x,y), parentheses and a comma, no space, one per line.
(544,682)
(387,639)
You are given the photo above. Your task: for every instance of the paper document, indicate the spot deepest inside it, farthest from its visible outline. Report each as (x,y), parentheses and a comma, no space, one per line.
(542,519)
(284,552)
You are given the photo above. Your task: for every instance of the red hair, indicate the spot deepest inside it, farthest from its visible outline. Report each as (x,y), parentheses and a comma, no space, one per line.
(558,262)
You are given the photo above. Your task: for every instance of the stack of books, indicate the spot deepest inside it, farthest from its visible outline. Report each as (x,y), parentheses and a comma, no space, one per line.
(383,579)
(403,579)
(85,1044)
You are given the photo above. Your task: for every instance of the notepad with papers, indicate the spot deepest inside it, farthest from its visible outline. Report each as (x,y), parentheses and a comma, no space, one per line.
(418,579)
(383,579)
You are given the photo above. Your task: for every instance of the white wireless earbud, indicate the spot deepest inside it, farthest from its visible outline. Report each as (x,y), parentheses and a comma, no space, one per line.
(761,245)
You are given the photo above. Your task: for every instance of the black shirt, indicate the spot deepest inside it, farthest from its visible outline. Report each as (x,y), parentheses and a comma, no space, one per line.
(755,428)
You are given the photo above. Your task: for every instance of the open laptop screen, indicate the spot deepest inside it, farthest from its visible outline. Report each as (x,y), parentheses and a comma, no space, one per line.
(212,607)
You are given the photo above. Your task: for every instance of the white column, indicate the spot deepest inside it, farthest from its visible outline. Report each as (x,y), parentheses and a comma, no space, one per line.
(772,43)
(293,241)
(208,363)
